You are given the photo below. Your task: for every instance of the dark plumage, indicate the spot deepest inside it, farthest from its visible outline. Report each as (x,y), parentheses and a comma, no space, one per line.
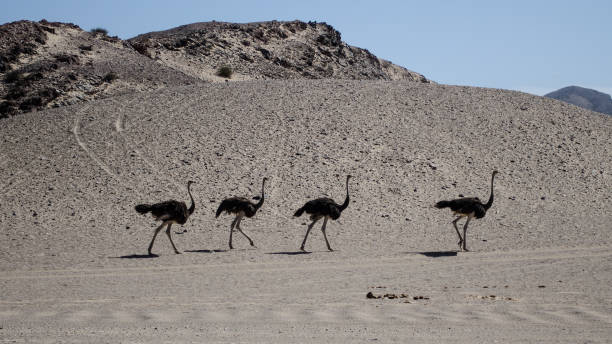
(469,207)
(235,205)
(169,212)
(175,210)
(240,207)
(323,208)
(465,206)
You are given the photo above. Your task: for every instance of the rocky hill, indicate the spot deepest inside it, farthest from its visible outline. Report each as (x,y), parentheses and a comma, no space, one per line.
(584,98)
(45,64)
(267,50)
(74,262)
(48,64)
(73,174)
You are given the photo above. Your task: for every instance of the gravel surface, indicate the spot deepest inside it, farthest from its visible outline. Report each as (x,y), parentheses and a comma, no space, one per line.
(73,250)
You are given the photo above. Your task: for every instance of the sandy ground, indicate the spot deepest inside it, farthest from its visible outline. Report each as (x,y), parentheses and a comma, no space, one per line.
(73,251)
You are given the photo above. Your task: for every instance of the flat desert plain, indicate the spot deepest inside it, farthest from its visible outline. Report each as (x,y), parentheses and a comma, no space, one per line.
(73,258)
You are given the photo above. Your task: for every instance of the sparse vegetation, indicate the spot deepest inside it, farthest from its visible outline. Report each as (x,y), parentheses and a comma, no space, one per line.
(12,76)
(110,76)
(30,103)
(99,31)
(225,72)
(67,58)
(7,108)
(141,48)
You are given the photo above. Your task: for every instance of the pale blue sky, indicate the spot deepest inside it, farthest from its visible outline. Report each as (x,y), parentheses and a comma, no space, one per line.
(532,46)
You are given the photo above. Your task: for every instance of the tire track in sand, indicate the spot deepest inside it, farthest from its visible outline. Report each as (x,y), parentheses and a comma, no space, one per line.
(77,135)
(146,310)
(130,145)
(76,131)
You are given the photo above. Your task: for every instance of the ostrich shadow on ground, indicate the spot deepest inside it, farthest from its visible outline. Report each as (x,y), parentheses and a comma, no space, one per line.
(436,254)
(290,253)
(205,251)
(138,256)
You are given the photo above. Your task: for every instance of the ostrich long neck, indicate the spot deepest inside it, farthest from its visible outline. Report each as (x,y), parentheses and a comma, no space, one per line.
(490,202)
(192,207)
(346,200)
(261,200)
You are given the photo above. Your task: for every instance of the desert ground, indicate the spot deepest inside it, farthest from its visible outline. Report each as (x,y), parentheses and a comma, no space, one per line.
(73,258)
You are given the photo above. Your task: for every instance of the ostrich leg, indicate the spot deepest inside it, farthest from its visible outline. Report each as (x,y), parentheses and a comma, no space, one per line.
(465,233)
(457,229)
(232,231)
(154,236)
(243,233)
(325,235)
(170,237)
(308,231)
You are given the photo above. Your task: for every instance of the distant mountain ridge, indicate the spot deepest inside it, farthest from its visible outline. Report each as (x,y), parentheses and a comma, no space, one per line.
(584,97)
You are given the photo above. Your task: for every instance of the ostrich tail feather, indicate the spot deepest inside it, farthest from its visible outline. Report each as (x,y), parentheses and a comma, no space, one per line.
(299,212)
(143,208)
(442,204)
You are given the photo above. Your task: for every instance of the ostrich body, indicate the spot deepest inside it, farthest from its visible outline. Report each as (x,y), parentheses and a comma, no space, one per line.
(240,207)
(470,207)
(324,208)
(169,212)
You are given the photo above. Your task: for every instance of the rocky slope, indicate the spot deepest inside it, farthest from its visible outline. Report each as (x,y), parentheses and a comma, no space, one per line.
(44,64)
(73,262)
(584,97)
(55,64)
(71,176)
(267,50)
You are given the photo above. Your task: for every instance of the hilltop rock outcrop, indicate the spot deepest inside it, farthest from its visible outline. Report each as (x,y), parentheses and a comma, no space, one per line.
(45,64)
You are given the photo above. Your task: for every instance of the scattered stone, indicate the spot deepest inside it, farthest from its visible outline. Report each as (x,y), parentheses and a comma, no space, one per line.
(389,296)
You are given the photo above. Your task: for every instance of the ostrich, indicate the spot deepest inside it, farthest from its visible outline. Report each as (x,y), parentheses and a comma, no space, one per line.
(467,207)
(169,212)
(324,208)
(241,207)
